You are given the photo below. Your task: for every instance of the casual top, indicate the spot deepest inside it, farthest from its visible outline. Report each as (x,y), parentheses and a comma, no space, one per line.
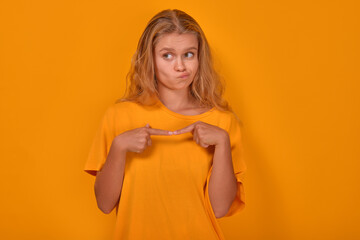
(165,188)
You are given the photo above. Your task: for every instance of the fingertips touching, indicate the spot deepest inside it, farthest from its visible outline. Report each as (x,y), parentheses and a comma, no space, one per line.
(154,131)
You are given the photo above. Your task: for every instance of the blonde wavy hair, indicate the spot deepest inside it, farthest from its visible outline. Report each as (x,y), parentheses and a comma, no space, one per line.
(207,87)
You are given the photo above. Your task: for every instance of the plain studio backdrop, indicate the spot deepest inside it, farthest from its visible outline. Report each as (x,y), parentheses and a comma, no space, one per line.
(291,69)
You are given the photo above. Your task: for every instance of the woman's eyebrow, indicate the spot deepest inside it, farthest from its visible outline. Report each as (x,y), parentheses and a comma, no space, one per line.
(171,49)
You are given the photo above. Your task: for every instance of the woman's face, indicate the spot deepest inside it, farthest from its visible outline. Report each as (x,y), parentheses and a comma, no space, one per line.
(176,60)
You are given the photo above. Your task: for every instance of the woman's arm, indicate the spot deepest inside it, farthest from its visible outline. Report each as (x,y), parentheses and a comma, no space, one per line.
(222,182)
(109,179)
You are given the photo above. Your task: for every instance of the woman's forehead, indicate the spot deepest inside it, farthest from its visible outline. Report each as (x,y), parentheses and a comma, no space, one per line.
(177,42)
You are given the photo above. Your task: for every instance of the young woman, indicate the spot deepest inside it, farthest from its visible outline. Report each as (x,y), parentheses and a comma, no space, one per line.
(168,156)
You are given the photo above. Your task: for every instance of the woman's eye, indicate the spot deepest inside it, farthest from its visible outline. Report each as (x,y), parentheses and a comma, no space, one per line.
(189,54)
(167,55)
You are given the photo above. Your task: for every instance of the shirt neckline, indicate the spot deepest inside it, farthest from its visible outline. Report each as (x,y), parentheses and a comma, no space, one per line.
(178,115)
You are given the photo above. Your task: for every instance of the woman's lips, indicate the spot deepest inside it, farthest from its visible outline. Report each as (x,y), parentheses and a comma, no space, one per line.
(184,76)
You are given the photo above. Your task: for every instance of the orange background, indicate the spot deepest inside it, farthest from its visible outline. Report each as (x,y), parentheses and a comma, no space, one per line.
(292,76)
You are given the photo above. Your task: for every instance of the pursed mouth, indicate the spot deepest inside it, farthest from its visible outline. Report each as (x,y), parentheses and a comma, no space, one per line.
(184,76)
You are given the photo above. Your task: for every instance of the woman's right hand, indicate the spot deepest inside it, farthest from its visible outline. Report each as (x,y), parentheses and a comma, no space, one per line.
(138,139)
(109,179)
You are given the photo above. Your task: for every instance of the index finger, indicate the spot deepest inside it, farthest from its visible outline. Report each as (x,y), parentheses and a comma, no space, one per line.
(185,129)
(155,131)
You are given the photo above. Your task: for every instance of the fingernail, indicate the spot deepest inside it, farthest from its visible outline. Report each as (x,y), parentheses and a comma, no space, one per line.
(170,133)
(174,132)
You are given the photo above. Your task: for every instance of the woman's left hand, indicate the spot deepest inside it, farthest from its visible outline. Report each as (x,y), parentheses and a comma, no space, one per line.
(205,134)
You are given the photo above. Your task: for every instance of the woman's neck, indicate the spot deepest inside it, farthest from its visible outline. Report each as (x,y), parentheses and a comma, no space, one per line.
(177,99)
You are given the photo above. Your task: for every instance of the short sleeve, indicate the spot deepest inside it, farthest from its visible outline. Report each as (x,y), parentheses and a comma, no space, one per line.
(101,143)
(234,131)
(238,163)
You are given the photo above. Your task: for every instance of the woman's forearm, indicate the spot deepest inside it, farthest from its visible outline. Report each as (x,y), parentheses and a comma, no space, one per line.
(222,182)
(109,179)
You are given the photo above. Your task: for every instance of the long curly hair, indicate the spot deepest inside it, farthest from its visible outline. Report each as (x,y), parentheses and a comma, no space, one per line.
(207,87)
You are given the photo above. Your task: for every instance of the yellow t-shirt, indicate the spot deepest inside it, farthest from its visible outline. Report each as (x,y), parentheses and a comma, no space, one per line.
(165,188)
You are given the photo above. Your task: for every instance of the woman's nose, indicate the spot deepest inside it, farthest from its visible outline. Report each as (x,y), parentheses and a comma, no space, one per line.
(179,65)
